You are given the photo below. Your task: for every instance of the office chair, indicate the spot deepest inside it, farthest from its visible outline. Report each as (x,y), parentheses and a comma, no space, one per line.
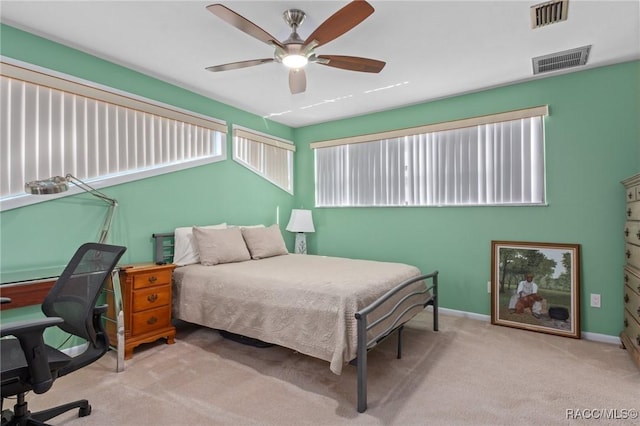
(29,364)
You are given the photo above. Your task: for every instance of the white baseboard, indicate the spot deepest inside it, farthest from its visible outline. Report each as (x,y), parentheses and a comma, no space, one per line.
(596,337)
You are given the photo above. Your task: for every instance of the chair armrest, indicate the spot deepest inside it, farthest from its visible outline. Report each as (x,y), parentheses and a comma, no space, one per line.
(99,310)
(17,328)
(30,335)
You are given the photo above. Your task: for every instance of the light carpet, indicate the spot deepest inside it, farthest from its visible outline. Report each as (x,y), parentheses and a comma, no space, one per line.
(468,373)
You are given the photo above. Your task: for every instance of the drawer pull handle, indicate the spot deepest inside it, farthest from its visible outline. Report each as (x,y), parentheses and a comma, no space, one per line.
(638,310)
(629,212)
(630,195)
(628,253)
(152,320)
(626,323)
(626,232)
(638,339)
(153,279)
(638,234)
(626,298)
(626,278)
(152,297)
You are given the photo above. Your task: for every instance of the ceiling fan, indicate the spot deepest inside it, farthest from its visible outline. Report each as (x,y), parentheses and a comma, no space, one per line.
(294,52)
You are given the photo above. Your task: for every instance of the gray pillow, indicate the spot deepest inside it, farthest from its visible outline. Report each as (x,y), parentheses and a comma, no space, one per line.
(264,242)
(220,245)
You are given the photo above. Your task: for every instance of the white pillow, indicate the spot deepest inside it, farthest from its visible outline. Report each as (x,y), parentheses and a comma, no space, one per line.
(220,245)
(185,249)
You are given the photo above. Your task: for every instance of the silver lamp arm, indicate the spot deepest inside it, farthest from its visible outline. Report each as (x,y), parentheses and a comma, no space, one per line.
(111,201)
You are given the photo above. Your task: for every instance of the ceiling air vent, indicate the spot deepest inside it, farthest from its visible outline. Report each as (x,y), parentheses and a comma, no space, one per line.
(549,13)
(561,60)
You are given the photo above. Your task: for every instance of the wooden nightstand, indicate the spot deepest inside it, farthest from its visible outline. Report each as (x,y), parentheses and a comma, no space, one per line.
(146,302)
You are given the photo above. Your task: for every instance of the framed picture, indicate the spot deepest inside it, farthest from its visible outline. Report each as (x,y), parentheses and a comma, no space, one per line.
(536,286)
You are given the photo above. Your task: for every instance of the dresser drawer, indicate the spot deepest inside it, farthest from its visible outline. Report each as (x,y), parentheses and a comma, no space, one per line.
(632,279)
(632,255)
(632,232)
(632,302)
(147,279)
(632,329)
(633,193)
(152,297)
(633,210)
(150,320)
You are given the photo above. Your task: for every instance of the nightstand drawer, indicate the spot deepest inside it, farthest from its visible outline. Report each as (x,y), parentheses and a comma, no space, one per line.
(149,298)
(150,320)
(151,278)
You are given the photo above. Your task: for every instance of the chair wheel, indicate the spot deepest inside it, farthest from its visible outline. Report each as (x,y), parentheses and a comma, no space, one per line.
(84,411)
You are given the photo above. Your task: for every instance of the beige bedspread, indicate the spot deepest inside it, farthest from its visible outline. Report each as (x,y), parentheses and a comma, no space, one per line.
(303,302)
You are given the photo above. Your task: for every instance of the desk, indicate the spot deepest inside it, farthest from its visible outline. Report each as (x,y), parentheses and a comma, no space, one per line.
(30,287)
(27,287)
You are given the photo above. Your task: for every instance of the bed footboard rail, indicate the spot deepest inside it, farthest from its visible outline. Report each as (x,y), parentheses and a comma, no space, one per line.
(365,343)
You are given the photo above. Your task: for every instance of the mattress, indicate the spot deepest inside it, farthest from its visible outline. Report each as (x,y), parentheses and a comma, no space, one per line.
(303,302)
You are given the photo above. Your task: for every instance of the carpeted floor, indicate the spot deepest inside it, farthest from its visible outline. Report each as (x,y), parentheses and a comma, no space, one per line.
(468,373)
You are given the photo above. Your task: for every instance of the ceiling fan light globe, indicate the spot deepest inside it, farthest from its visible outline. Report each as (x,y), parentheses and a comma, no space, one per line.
(295,61)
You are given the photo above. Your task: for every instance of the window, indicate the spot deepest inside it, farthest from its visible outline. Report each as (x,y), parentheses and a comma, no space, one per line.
(490,160)
(51,126)
(267,156)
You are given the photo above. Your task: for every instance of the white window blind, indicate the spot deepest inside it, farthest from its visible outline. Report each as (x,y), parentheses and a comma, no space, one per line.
(269,157)
(52,126)
(487,163)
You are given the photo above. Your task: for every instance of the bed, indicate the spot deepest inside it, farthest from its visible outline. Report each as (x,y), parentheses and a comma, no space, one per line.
(342,307)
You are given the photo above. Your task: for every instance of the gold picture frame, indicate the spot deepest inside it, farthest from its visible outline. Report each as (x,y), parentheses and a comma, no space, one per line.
(548,302)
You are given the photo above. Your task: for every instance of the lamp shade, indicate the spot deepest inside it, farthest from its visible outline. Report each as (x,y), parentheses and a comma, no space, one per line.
(300,221)
(52,185)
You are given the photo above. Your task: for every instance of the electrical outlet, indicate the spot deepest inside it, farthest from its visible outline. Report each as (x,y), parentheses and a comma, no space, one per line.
(595,300)
(488,286)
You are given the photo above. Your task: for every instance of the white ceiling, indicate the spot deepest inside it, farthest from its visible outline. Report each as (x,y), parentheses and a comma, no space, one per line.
(433,49)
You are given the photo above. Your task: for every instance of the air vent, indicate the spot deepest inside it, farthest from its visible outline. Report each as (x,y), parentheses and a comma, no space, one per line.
(549,13)
(561,60)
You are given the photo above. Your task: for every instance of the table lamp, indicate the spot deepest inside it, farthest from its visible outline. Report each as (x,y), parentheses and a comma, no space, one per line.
(59,184)
(300,222)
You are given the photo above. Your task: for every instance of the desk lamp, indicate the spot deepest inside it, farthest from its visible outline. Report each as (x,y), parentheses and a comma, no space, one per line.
(58,184)
(300,222)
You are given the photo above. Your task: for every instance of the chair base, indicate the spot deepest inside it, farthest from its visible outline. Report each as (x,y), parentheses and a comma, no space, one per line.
(21,416)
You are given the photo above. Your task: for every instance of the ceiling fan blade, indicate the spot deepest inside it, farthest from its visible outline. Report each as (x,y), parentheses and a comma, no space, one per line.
(341,22)
(297,81)
(241,64)
(352,63)
(242,23)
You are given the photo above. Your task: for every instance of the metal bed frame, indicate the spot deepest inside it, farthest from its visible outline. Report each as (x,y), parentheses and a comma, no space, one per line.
(163,246)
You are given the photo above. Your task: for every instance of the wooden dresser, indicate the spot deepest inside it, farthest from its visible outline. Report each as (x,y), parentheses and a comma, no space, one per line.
(630,335)
(146,302)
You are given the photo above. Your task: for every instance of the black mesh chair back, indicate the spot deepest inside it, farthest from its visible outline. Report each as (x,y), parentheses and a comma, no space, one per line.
(75,294)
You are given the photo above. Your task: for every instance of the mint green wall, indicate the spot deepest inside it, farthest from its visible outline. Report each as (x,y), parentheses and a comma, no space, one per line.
(592,143)
(47,234)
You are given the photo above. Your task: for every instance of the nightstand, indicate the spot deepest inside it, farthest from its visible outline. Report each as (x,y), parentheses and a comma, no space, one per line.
(146,302)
